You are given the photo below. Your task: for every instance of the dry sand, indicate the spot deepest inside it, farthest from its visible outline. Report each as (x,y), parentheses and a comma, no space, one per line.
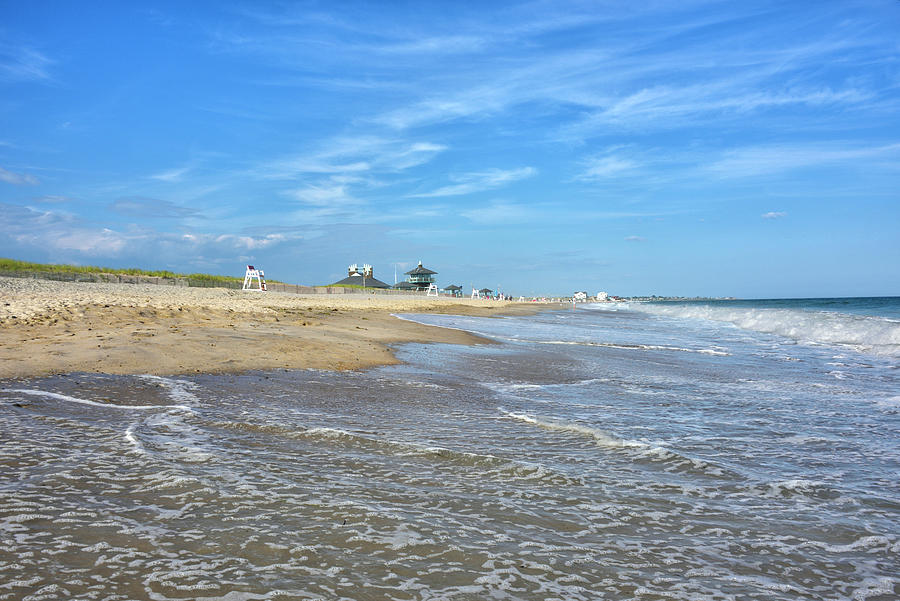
(51,327)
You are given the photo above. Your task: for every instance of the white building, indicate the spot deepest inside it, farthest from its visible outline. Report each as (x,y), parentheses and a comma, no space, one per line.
(602,296)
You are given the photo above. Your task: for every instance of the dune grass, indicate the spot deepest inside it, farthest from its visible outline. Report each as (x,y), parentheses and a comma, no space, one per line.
(13,265)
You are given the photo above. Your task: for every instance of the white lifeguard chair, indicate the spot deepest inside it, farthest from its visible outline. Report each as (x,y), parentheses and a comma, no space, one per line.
(432,290)
(475,293)
(254,279)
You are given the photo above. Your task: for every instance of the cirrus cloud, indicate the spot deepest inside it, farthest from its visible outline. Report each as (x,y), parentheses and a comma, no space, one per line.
(18,179)
(470,183)
(139,206)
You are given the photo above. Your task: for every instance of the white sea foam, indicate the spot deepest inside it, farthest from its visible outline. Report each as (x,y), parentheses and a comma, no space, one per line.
(178,390)
(879,335)
(417,384)
(866,543)
(796,486)
(493,465)
(611,307)
(129,436)
(892,402)
(71,399)
(326,432)
(601,438)
(809,440)
(882,588)
(515,388)
(171,435)
(630,347)
(638,449)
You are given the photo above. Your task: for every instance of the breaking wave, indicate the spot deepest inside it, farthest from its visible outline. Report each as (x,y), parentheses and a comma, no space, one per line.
(865,333)
(639,450)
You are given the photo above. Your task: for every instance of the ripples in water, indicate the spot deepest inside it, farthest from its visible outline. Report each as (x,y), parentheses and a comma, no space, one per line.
(512,472)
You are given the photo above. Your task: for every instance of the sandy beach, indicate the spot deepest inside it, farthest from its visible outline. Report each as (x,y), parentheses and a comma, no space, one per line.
(49,327)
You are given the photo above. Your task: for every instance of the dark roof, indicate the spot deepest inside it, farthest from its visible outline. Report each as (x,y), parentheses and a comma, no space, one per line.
(486,290)
(453,287)
(357,280)
(405,286)
(420,270)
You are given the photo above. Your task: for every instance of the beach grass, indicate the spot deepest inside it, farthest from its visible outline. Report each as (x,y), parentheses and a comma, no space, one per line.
(16,266)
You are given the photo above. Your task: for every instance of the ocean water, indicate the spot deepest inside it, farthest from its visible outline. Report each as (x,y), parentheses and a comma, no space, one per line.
(728,450)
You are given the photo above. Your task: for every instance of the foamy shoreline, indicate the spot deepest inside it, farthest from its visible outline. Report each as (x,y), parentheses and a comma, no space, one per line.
(57,327)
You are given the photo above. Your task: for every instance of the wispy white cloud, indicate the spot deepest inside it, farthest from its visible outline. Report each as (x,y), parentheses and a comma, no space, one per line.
(72,237)
(406,156)
(139,206)
(103,241)
(20,63)
(760,160)
(158,17)
(548,213)
(676,106)
(654,83)
(327,195)
(60,231)
(594,215)
(774,215)
(470,183)
(290,168)
(18,179)
(608,165)
(339,176)
(243,242)
(635,239)
(52,199)
(669,102)
(363,37)
(501,212)
(171,175)
(449,105)
(446,44)
(354,155)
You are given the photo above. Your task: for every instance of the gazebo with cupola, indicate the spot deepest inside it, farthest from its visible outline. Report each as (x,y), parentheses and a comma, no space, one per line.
(421,277)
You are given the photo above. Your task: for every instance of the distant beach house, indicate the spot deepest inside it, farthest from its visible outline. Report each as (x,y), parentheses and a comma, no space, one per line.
(420,278)
(454,290)
(366,279)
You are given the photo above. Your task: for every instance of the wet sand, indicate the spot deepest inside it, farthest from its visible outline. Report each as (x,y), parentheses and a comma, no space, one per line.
(51,327)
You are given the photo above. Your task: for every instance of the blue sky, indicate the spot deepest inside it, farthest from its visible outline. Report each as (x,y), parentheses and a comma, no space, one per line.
(688,148)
